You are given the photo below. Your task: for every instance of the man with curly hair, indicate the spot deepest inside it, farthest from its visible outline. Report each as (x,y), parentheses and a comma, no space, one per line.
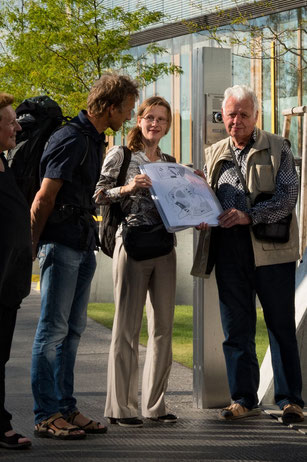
(64,239)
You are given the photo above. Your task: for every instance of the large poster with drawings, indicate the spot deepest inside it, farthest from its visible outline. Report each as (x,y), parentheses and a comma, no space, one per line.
(183,199)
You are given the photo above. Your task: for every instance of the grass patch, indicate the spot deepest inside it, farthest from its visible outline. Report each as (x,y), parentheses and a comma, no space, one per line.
(262,338)
(182,331)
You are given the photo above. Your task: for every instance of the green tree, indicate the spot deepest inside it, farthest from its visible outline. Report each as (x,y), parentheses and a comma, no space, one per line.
(59,47)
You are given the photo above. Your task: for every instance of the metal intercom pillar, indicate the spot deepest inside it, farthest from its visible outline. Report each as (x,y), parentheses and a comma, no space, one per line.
(212,73)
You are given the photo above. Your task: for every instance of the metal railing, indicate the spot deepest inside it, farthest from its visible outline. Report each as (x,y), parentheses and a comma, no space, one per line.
(300,111)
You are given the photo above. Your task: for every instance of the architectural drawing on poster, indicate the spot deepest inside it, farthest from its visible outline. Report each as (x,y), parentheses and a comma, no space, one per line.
(183,199)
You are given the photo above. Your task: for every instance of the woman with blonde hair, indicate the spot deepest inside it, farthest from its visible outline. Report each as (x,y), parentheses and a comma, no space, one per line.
(152,271)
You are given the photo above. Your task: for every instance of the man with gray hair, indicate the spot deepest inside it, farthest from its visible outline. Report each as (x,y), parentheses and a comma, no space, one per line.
(248,163)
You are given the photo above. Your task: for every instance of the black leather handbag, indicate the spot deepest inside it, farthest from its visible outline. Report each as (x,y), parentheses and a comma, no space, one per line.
(272,232)
(147,241)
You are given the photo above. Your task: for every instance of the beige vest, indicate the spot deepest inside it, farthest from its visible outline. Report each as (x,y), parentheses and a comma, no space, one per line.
(263,162)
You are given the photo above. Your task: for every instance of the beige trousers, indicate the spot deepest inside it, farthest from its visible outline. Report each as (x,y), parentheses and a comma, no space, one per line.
(132,279)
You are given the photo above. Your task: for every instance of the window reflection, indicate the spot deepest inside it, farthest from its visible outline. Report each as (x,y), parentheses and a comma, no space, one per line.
(290,84)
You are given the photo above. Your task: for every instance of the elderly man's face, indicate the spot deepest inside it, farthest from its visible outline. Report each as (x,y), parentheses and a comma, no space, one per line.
(239,118)
(8,128)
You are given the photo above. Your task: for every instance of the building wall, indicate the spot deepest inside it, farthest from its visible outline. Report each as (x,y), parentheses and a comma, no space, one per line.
(289,85)
(251,65)
(102,285)
(176,10)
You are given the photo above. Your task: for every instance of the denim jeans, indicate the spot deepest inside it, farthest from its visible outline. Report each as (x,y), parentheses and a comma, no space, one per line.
(66,276)
(238,283)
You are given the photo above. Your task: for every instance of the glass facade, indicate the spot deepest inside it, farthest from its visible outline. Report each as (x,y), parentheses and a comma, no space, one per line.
(185,106)
(176,10)
(251,64)
(164,88)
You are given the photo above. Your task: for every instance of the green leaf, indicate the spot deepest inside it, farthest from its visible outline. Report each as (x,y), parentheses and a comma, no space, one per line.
(60,47)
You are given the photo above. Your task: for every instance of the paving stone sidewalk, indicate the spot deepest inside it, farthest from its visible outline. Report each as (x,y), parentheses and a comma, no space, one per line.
(198,435)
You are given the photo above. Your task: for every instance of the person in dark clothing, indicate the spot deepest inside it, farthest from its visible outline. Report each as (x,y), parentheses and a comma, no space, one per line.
(246,265)
(15,261)
(64,238)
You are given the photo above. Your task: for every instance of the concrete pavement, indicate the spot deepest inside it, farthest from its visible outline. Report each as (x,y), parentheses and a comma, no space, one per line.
(198,435)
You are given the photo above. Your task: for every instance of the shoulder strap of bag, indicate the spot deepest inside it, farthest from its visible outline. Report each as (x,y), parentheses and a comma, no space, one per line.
(168,158)
(243,182)
(124,167)
(86,136)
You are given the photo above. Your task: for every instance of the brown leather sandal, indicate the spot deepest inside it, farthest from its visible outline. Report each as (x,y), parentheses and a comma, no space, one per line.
(91,427)
(48,429)
(237,411)
(292,413)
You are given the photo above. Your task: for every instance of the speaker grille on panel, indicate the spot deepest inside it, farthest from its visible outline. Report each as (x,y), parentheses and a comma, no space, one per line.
(216,104)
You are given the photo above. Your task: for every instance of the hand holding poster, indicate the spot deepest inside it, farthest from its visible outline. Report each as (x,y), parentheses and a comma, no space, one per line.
(182,198)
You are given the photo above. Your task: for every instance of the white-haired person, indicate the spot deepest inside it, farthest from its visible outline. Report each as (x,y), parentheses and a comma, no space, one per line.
(249,165)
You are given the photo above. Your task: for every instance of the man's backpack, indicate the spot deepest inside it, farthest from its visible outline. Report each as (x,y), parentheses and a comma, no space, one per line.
(112,214)
(39,117)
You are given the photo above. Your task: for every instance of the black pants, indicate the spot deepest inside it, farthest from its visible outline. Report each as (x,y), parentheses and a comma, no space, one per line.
(238,282)
(7,326)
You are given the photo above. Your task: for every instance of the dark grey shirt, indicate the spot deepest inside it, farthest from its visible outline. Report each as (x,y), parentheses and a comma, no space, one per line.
(15,242)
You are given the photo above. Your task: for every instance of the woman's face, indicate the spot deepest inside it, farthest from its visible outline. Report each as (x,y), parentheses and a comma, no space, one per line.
(153,124)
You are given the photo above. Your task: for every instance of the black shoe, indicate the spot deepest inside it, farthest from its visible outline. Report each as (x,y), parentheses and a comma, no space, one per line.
(168,418)
(12,442)
(292,413)
(127,422)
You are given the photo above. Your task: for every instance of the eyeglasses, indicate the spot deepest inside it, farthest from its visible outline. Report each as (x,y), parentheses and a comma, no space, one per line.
(151,119)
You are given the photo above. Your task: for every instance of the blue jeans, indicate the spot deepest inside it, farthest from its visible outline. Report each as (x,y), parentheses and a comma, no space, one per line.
(66,276)
(238,283)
